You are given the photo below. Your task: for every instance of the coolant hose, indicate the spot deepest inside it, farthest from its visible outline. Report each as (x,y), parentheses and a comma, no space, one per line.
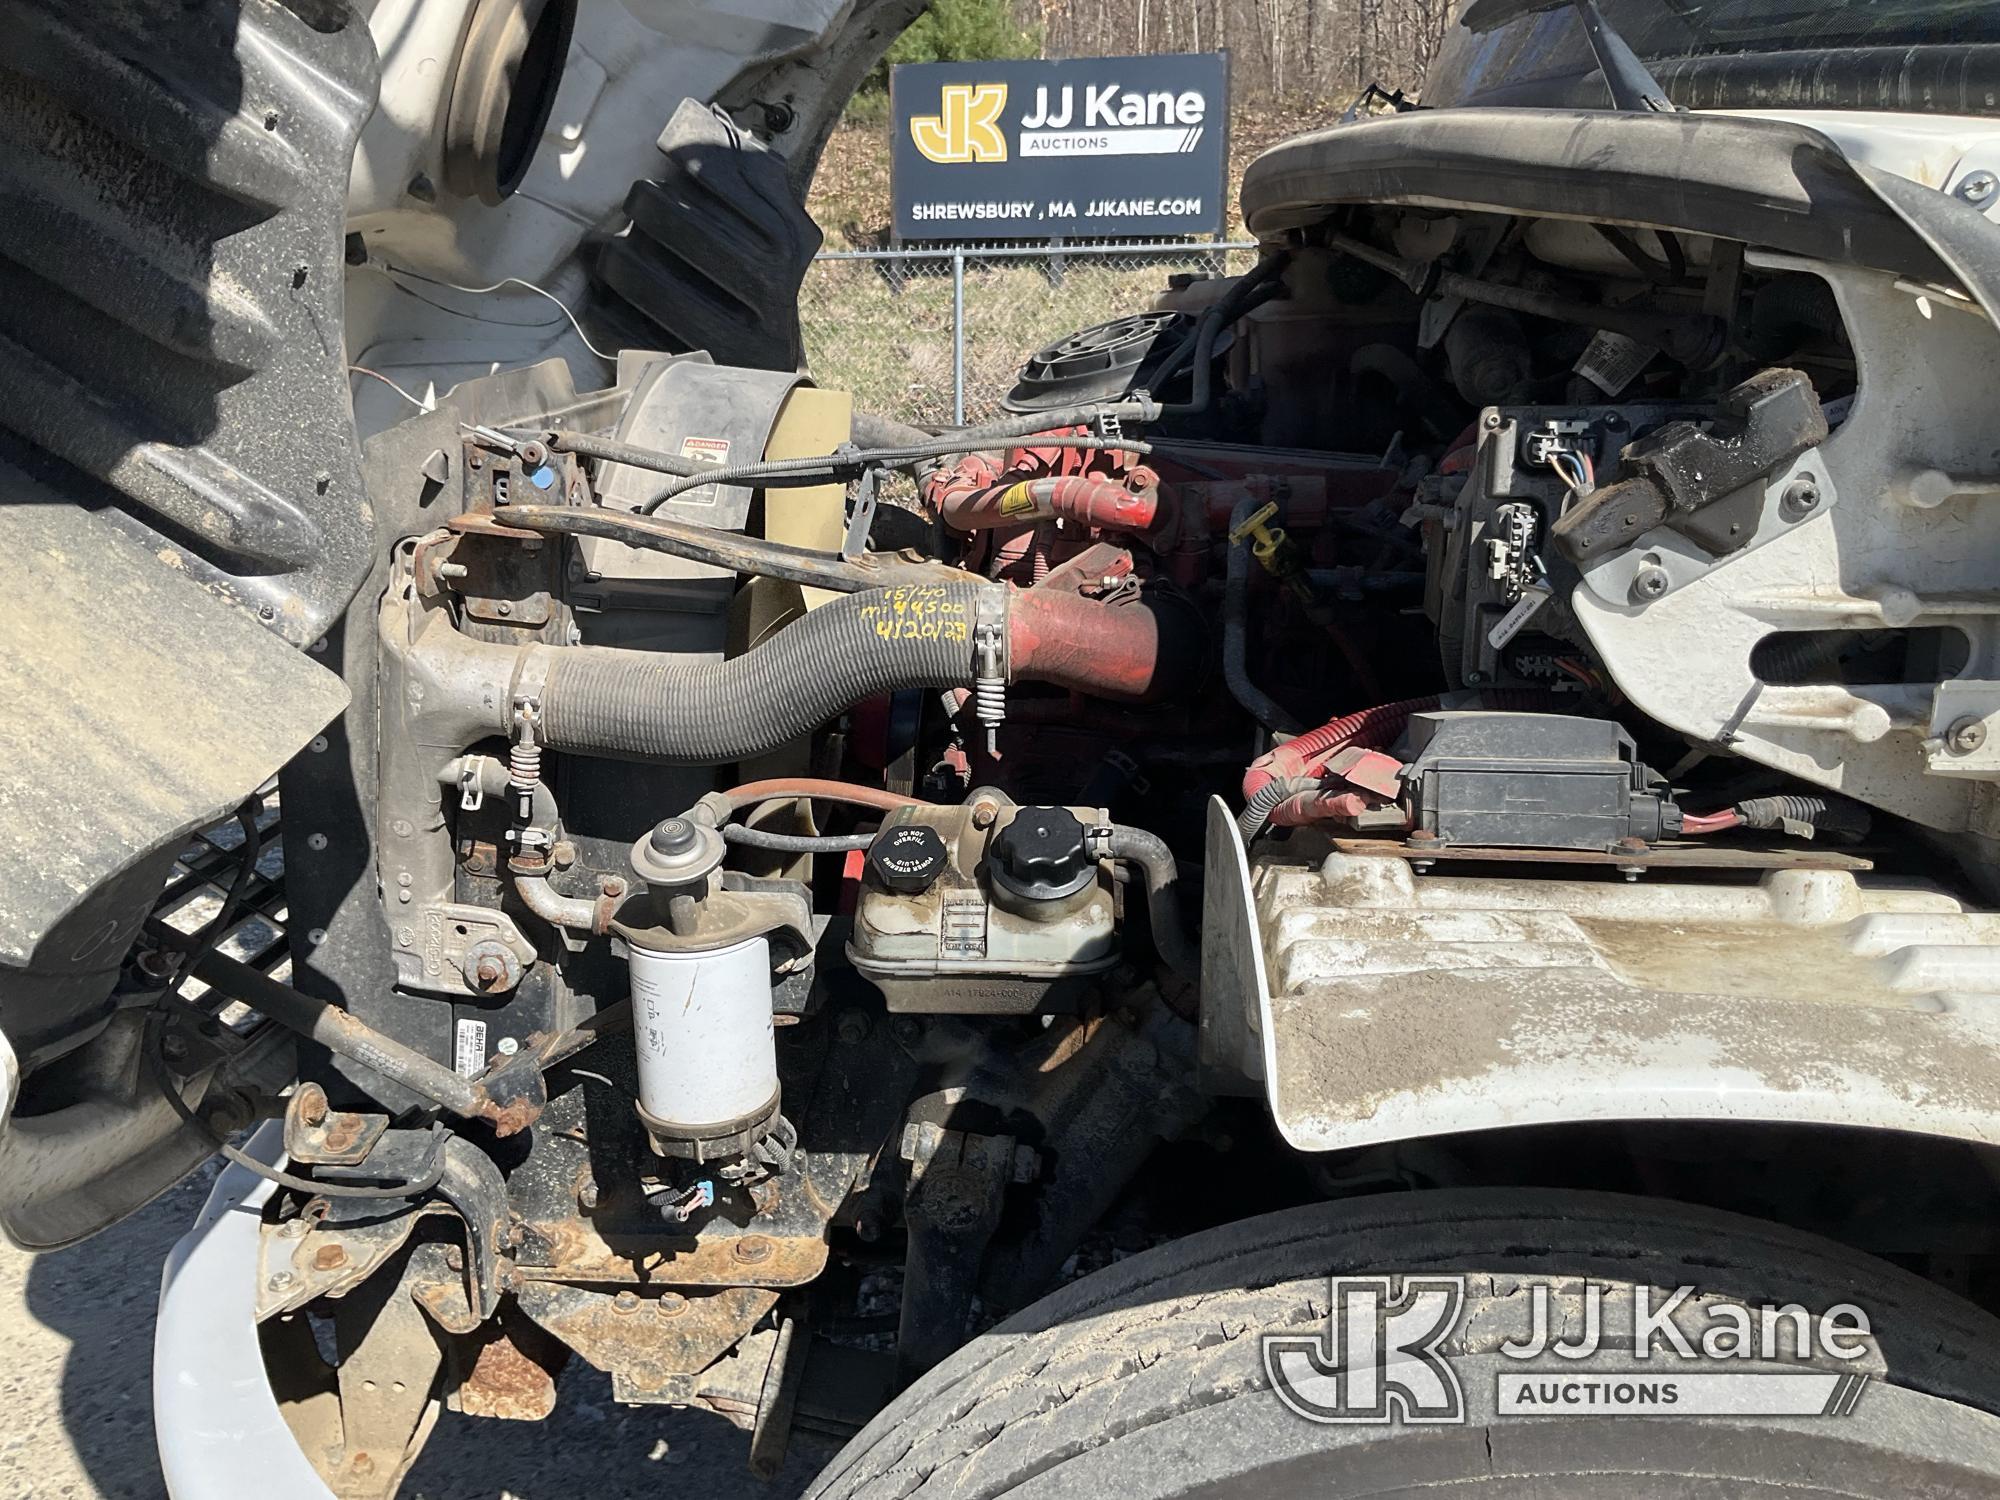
(1155,862)
(650,706)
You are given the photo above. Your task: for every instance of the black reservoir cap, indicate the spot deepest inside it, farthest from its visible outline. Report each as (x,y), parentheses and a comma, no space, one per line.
(1040,856)
(908,858)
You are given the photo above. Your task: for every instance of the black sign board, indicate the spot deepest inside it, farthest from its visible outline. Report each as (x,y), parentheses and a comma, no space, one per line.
(1078,149)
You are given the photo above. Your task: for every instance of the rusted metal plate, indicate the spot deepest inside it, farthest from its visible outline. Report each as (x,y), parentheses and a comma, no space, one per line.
(653,1345)
(507,1370)
(1658,856)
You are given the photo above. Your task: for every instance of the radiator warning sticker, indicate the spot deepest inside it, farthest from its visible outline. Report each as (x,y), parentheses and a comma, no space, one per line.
(712,451)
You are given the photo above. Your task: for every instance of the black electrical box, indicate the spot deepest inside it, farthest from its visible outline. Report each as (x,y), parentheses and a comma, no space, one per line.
(1532,781)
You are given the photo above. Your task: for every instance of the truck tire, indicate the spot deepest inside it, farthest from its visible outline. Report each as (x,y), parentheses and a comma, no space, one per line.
(1146,1380)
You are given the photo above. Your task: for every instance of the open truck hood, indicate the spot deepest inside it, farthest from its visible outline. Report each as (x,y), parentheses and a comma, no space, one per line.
(185,518)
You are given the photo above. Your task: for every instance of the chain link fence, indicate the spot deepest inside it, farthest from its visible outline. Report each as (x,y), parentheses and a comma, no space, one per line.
(937,336)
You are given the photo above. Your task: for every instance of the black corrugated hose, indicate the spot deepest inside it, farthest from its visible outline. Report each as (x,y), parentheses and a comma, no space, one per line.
(616,702)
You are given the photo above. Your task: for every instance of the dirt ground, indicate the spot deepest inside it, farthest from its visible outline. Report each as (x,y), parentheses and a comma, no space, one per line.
(76,1328)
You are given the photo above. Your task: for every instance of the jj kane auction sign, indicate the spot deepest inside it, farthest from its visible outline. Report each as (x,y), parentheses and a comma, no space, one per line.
(1044,150)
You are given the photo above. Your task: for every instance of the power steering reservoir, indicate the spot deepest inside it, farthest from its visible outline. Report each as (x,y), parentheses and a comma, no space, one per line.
(1007,905)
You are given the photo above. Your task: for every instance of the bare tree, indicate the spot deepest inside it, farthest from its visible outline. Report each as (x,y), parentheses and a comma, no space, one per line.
(1280,49)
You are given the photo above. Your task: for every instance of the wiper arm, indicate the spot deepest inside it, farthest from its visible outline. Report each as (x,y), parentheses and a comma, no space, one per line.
(1631,85)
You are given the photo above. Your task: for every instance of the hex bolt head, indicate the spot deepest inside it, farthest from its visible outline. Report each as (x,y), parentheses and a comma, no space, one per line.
(625,1302)
(671,1305)
(1965,736)
(852,1026)
(329,1257)
(753,1248)
(280,1281)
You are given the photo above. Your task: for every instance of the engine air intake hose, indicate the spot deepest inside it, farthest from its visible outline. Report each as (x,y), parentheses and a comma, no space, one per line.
(649,706)
(655,707)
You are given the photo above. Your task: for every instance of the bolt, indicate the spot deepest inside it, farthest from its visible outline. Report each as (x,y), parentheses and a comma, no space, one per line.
(625,1302)
(534,455)
(503,608)
(1977,187)
(611,885)
(851,1026)
(402,828)
(983,814)
(361,1463)
(316,936)
(280,1281)
(507,1046)
(291,1229)
(1801,496)
(671,1305)
(586,1193)
(1651,581)
(1422,836)
(1965,736)
(753,1247)
(907,1030)
(489,973)
(454,1258)
(312,1104)
(451,570)
(330,1257)
(562,854)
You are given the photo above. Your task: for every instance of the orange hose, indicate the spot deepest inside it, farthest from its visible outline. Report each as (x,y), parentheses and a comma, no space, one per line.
(819,790)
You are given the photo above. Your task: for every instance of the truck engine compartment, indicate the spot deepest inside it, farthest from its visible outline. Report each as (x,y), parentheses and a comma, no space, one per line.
(1501,694)
(816,848)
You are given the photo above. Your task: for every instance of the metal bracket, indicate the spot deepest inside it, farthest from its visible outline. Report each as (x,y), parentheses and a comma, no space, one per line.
(861,520)
(435,947)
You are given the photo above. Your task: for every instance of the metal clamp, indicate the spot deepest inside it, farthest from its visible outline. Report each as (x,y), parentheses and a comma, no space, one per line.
(989,646)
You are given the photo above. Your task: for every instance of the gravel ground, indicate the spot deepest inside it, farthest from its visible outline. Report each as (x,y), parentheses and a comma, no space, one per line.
(77,1331)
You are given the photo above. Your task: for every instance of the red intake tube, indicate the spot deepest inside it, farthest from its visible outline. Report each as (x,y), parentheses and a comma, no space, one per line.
(1082,498)
(1131,651)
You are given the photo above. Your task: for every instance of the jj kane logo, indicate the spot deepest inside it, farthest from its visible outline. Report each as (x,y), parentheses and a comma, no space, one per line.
(1384,1355)
(966,126)
(1094,120)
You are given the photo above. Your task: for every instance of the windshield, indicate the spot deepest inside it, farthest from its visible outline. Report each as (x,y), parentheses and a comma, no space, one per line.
(1927,56)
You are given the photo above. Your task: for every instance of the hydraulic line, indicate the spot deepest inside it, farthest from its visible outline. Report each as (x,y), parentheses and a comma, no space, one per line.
(803,472)
(727,549)
(1259,704)
(1149,854)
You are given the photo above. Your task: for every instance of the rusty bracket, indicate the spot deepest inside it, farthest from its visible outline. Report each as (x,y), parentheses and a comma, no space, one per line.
(654,1346)
(318,1135)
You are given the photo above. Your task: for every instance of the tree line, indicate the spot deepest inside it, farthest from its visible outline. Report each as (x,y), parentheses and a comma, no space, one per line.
(1279,49)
